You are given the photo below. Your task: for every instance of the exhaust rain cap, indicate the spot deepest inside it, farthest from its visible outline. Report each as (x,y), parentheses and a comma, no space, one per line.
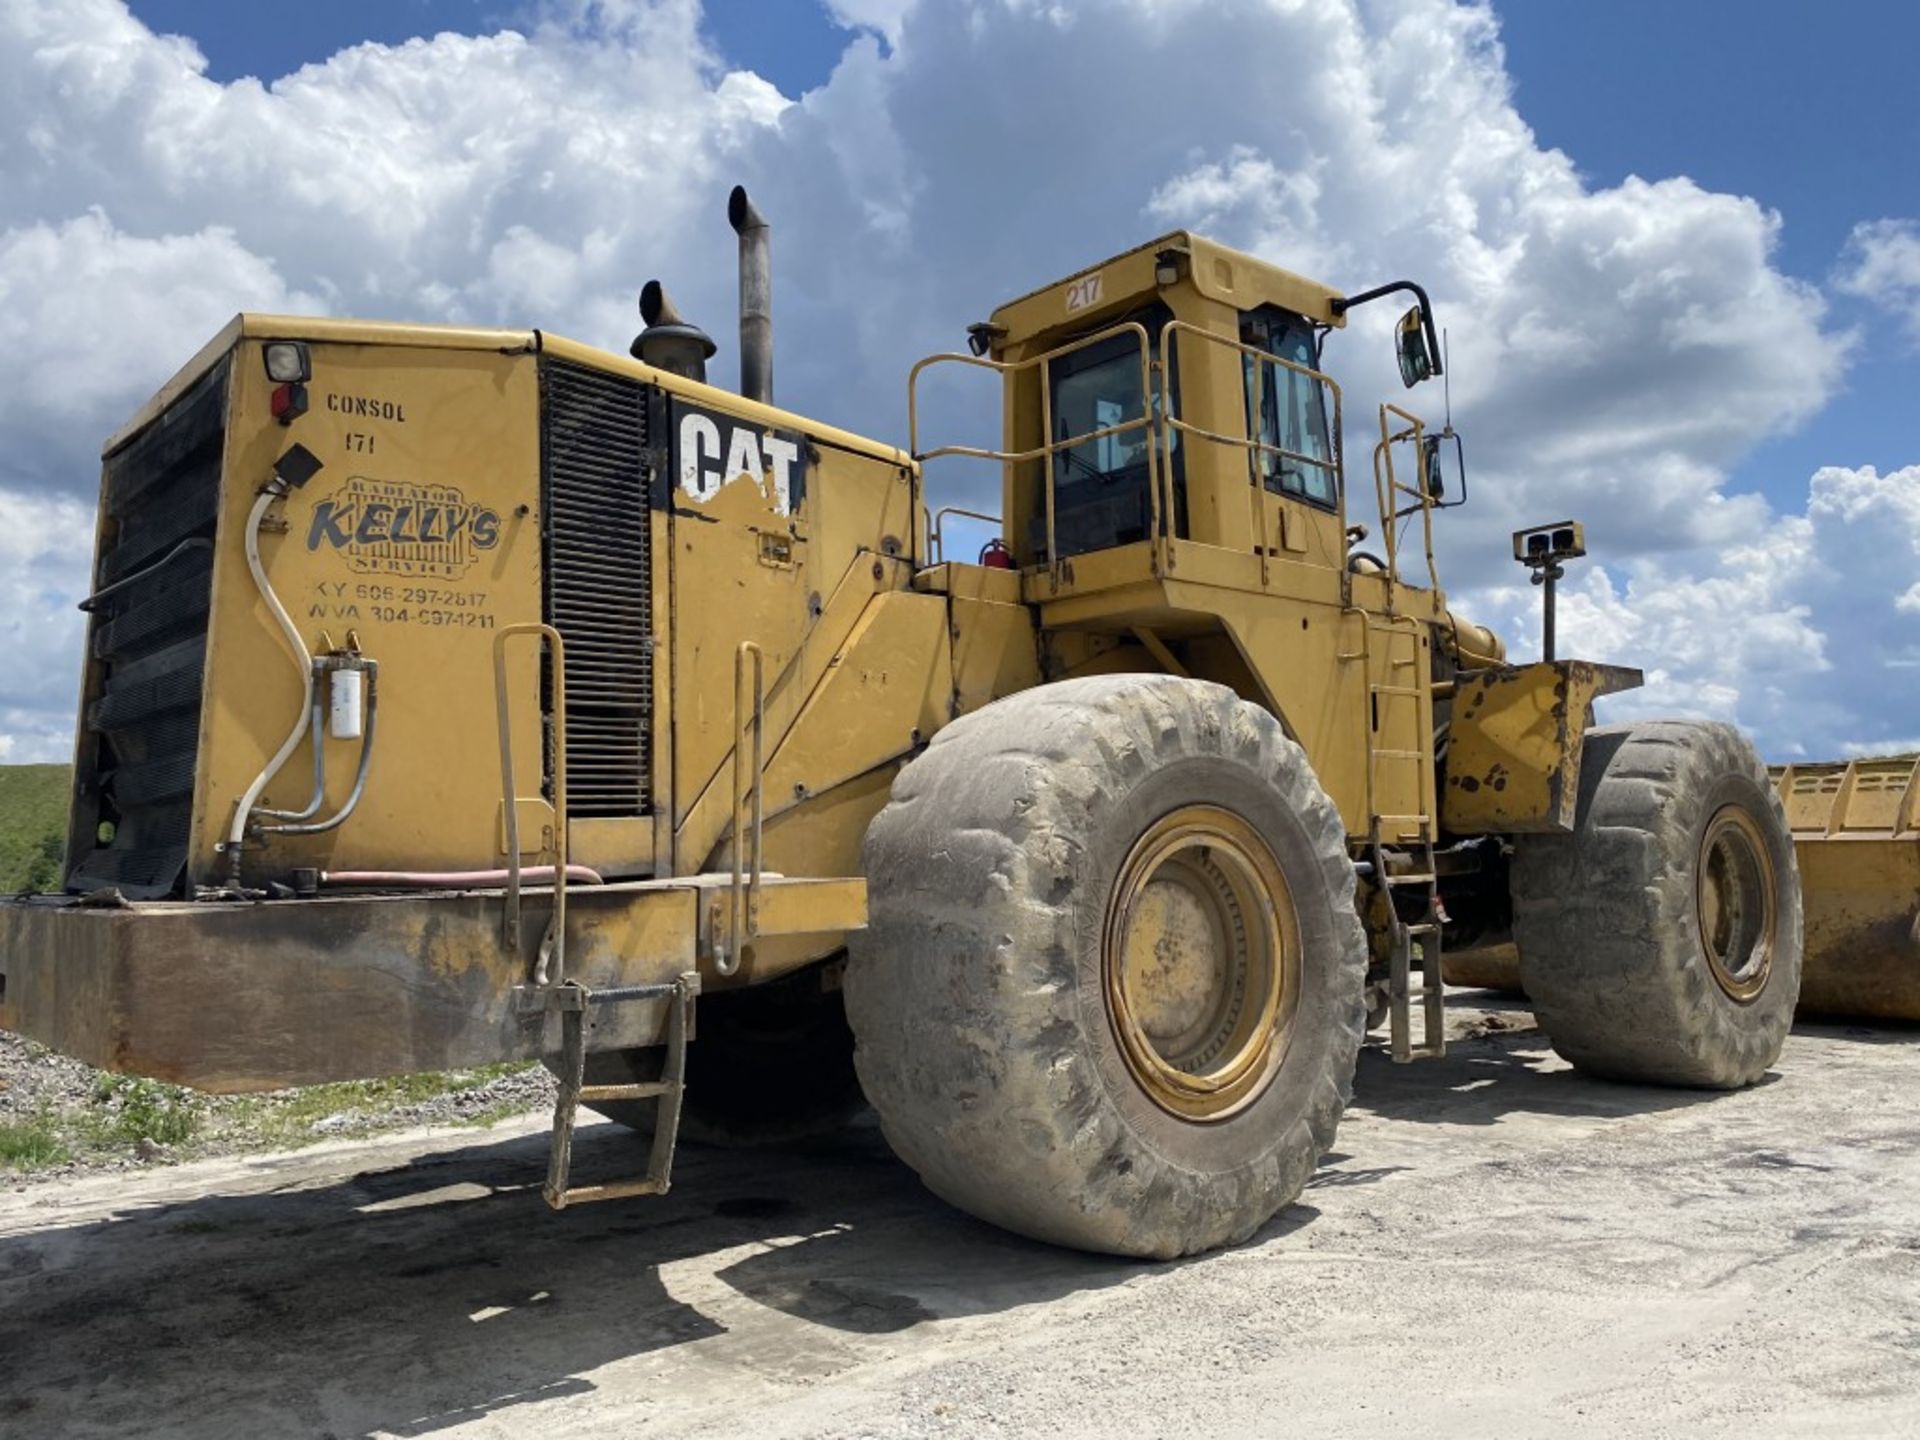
(669,343)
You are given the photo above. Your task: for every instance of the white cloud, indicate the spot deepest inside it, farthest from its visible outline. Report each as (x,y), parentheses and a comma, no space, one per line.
(1854,750)
(1806,635)
(883,17)
(45,546)
(93,320)
(1614,351)
(1881,263)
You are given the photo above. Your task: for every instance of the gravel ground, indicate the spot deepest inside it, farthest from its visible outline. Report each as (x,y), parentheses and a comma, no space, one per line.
(105,1122)
(1497,1247)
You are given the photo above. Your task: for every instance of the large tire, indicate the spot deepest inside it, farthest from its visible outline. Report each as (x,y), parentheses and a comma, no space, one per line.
(1660,941)
(768,1066)
(1041,910)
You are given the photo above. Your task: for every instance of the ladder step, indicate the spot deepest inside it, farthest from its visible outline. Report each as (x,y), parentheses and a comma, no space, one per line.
(1400,819)
(1423,928)
(612,1190)
(644,1090)
(1393,690)
(1411,879)
(1399,755)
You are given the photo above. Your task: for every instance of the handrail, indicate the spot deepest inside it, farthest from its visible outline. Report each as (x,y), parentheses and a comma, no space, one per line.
(1386,487)
(552,969)
(1169,336)
(1159,416)
(936,549)
(744,898)
(1050,446)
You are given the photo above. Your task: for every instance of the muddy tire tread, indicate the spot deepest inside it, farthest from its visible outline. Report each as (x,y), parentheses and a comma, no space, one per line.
(962,991)
(1604,918)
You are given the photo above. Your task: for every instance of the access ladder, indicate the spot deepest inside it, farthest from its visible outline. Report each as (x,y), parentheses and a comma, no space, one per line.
(1423,932)
(576,1004)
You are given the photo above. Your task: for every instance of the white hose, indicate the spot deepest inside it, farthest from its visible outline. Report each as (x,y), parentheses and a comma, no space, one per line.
(302,656)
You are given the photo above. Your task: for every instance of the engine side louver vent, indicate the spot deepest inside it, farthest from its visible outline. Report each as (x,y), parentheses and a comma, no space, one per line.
(599,582)
(146,650)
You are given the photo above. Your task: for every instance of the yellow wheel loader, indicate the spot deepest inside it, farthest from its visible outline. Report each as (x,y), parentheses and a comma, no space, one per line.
(460,695)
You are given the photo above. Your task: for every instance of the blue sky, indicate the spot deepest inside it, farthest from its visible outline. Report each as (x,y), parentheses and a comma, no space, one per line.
(1590,191)
(1809,109)
(1799,107)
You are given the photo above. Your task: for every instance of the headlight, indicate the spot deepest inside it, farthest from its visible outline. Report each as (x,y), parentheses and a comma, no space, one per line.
(287,362)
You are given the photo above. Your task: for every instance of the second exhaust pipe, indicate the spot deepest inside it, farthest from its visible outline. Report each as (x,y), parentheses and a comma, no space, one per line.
(756,296)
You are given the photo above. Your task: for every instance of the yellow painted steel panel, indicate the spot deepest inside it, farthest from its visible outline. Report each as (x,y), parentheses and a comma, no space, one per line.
(1858,847)
(420,539)
(1513,757)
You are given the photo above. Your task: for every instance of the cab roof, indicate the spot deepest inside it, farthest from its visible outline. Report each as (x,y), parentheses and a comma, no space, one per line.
(1217,271)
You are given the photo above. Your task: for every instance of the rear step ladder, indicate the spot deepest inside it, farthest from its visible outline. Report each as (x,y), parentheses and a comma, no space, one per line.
(576,1004)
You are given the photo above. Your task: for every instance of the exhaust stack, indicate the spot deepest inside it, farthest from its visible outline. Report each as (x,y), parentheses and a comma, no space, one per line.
(756,296)
(669,342)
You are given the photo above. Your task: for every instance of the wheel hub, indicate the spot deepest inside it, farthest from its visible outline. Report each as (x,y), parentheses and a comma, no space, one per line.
(1201,957)
(1734,898)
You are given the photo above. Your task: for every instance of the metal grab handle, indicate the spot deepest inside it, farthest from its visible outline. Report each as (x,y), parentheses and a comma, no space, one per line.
(553,963)
(744,899)
(1387,486)
(936,546)
(1334,462)
(1049,446)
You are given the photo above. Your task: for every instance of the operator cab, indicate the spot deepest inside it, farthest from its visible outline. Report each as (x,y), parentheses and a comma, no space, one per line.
(1174,393)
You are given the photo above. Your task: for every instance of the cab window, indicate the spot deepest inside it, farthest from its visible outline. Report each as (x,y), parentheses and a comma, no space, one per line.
(1292,408)
(1101,485)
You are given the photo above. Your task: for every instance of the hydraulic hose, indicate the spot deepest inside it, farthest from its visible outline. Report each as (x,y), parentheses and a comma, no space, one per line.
(352,802)
(237,834)
(312,807)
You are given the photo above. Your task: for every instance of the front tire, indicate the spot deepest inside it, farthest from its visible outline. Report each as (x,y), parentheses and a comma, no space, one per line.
(1661,941)
(1109,995)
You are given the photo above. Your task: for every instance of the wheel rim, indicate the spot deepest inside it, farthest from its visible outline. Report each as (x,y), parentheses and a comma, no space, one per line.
(1734,900)
(1202,958)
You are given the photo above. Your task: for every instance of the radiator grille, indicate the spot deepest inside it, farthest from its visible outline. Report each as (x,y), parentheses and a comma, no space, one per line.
(599,584)
(146,650)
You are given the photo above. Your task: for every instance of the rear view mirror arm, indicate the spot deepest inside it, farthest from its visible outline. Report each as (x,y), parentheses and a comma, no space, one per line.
(1340,305)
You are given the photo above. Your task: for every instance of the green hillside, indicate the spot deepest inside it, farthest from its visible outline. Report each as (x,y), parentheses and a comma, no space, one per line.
(33,826)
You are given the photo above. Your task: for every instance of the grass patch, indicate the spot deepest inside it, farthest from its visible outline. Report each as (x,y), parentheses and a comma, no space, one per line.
(32,1143)
(130,1110)
(33,826)
(358,1106)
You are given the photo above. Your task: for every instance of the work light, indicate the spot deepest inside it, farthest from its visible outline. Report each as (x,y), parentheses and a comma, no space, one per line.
(288,362)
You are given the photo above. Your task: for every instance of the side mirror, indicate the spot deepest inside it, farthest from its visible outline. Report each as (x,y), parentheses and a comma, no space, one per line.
(1443,468)
(1410,342)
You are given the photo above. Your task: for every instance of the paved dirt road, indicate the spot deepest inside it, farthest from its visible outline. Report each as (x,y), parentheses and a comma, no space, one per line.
(1498,1247)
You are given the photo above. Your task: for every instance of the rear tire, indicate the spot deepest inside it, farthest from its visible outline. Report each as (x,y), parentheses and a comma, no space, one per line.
(1083,1012)
(1661,940)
